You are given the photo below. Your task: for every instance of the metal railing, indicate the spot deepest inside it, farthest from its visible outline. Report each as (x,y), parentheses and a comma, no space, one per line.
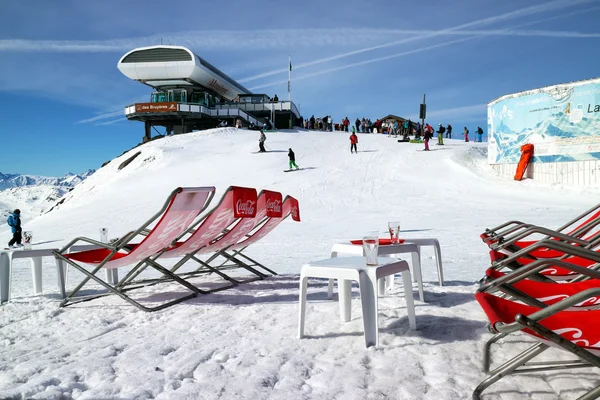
(232,109)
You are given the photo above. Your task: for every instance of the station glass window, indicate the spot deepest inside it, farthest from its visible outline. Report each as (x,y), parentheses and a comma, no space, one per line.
(159,97)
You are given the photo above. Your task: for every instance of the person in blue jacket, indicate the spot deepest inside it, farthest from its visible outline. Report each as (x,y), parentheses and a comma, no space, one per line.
(14,221)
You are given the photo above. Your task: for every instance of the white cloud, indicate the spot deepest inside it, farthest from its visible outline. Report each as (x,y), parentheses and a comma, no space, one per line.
(541,8)
(373,60)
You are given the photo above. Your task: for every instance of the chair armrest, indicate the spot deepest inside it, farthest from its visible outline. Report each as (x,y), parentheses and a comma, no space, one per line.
(108,246)
(534,268)
(538,229)
(566,248)
(500,236)
(494,231)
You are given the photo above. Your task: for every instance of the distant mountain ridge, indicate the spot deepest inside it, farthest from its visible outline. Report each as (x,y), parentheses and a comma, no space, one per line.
(8,181)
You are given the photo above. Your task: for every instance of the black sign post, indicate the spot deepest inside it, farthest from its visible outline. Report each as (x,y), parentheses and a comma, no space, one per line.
(422,113)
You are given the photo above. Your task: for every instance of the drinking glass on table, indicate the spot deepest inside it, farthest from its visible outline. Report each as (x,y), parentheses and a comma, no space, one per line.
(394,229)
(370,248)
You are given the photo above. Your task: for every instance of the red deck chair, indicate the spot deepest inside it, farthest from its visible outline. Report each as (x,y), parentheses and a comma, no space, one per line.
(178,212)
(277,213)
(577,332)
(587,257)
(236,209)
(579,226)
(230,237)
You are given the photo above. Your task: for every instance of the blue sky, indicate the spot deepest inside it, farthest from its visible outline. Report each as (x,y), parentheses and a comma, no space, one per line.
(62,96)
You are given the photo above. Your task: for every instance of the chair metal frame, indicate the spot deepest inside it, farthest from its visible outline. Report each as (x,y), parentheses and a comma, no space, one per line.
(124,244)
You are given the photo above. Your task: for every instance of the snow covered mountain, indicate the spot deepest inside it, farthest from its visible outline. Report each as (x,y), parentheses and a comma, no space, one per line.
(18,180)
(34,195)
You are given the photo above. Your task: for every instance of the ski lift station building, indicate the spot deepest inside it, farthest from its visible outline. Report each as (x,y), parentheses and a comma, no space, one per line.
(563,124)
(190,93)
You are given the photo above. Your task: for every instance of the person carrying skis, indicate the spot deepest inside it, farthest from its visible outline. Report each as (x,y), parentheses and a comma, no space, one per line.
(14,221)
(466,133)
(353,142)
(440,133)
(449,131)
(292,157)
(261,142)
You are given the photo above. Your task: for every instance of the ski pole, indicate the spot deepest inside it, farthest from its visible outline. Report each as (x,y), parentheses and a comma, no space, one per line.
(268,147)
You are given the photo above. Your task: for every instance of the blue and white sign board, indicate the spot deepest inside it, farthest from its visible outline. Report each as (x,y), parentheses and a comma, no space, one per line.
(562,122)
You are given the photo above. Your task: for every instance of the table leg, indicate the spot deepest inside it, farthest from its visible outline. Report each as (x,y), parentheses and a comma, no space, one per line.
(389,282)
(4,277)
(438,261)
(330,283)
(60,273)
(410,302)
(381,286)
(345,297)
(112,275)
(302,303)
(330,289)
(368,299)
(418,276)
(37,274)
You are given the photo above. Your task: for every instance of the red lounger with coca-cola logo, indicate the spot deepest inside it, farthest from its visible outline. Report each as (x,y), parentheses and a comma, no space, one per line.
(277,212)
(177,213)
(237,215)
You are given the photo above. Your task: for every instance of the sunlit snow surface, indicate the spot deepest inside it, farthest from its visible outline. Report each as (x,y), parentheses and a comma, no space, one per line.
(241,343)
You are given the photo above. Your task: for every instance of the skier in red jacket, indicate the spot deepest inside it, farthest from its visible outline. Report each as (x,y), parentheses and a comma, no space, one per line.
(353,142)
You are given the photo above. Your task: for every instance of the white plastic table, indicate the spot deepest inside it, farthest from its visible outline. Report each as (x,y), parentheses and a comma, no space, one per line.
(386,251)
(6,260)
(348,269)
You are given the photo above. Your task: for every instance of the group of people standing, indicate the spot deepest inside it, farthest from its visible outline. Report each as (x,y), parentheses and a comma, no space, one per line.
(478,132)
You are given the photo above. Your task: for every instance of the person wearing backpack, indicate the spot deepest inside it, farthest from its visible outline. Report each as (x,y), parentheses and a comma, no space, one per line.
(479,134)
(14,221)
(440,133)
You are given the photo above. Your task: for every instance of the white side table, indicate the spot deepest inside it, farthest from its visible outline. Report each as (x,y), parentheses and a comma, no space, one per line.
(385,251)
(6,260)
(348,269)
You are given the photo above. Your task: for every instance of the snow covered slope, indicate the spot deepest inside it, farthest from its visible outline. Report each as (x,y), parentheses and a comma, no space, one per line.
(241,343)
(31,200)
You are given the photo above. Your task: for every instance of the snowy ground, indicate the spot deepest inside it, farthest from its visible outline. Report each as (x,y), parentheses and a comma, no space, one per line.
(241,343)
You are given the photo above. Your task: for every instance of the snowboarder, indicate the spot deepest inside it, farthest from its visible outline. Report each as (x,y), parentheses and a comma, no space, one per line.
(440,133)
(466,133)
(479,134)
(261,142)
(353,142)
(292,157)
(14,221)
(449,131)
